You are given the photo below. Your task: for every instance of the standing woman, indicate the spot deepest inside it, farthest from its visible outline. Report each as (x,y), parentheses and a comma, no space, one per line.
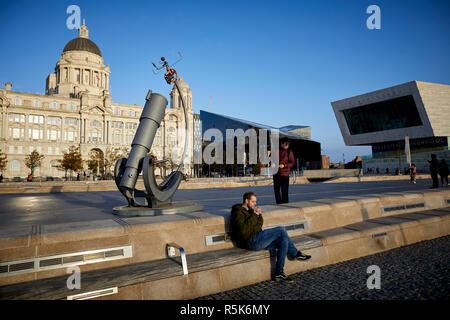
(281,179)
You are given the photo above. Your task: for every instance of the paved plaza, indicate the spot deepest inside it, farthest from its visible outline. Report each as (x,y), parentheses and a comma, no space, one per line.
(419,272)
(52,208)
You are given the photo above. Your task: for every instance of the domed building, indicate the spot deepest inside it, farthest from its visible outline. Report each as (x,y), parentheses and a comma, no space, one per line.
(77,110)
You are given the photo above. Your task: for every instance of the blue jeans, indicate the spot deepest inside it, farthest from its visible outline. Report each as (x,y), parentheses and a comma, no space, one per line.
(274,238)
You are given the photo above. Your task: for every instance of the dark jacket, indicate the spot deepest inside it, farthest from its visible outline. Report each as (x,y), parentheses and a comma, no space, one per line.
(443,169)
(244,223)
(434,166)
(286,157)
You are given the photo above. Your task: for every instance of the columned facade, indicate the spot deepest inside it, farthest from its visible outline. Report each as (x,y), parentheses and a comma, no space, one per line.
(77,109)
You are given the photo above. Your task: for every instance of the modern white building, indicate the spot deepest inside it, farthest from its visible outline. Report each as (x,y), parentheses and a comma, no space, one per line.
(383,118)
(77,109)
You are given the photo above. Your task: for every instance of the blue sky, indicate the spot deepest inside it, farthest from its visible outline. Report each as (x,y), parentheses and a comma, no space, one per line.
(274,62)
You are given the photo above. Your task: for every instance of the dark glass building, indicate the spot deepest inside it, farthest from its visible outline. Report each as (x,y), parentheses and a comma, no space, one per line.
(306,151)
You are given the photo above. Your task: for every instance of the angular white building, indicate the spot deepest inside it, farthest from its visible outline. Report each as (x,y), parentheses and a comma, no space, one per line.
(383,118)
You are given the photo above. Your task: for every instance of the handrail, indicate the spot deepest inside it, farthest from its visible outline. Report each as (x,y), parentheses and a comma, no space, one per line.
(171,247)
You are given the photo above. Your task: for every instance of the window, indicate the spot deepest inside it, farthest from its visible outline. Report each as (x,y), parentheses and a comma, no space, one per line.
(117,138)
(71,107)
(72,122)
(35,119)
(53,134)
(54,105)
(36,103)
(117,124)
(95,136)
(15,165)
(54,120)
(54,165)
(39,149)
(11,149)
(95,123)
(116,111)
(56,150)
(35,134)
(17,101)
(384,115)
(15,117)
(130,112)
(16,133)
(19,150)
(130,138)
(50,150)
(70,135)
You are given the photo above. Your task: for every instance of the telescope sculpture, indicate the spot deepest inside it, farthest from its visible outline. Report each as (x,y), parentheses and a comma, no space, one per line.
(157,198)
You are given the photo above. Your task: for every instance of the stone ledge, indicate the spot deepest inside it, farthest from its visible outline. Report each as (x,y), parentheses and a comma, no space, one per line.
(339,244)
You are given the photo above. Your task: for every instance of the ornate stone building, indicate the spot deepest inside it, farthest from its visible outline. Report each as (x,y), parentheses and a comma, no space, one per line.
(77,109)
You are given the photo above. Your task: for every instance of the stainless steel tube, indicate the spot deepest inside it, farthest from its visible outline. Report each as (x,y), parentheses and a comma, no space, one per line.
(149,122)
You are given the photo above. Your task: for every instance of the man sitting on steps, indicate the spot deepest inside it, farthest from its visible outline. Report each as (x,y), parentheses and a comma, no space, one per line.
(246,223)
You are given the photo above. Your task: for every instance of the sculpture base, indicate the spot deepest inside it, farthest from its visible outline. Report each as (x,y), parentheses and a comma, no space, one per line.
(164,209)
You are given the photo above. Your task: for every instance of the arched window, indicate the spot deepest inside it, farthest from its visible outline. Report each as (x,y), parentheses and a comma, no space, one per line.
(17,101)
(15,165)
(54,165)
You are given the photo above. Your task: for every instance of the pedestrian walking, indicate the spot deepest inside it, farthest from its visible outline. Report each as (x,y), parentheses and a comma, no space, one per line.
(443,172)
(434,170)
(281,178)
(413,173)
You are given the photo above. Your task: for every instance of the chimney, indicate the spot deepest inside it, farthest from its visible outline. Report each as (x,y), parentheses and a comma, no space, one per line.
(8,86)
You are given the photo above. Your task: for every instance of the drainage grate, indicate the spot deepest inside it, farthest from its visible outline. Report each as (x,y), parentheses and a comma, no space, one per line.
(296,226)
(21,266)
(402,207)
(64,260)
(114,253)
(71,259)
(50,262)
(217,239)
(214,239)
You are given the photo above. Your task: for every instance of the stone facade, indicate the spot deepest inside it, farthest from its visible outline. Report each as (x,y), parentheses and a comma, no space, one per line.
(77,109)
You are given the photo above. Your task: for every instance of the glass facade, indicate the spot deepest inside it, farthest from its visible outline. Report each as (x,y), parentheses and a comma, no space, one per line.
(304,150)
(384,115)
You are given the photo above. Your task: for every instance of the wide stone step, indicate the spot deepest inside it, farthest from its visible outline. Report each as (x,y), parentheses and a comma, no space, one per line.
(329,246)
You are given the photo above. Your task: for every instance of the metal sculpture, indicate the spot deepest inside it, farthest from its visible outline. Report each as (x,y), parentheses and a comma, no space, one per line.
(156,198)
